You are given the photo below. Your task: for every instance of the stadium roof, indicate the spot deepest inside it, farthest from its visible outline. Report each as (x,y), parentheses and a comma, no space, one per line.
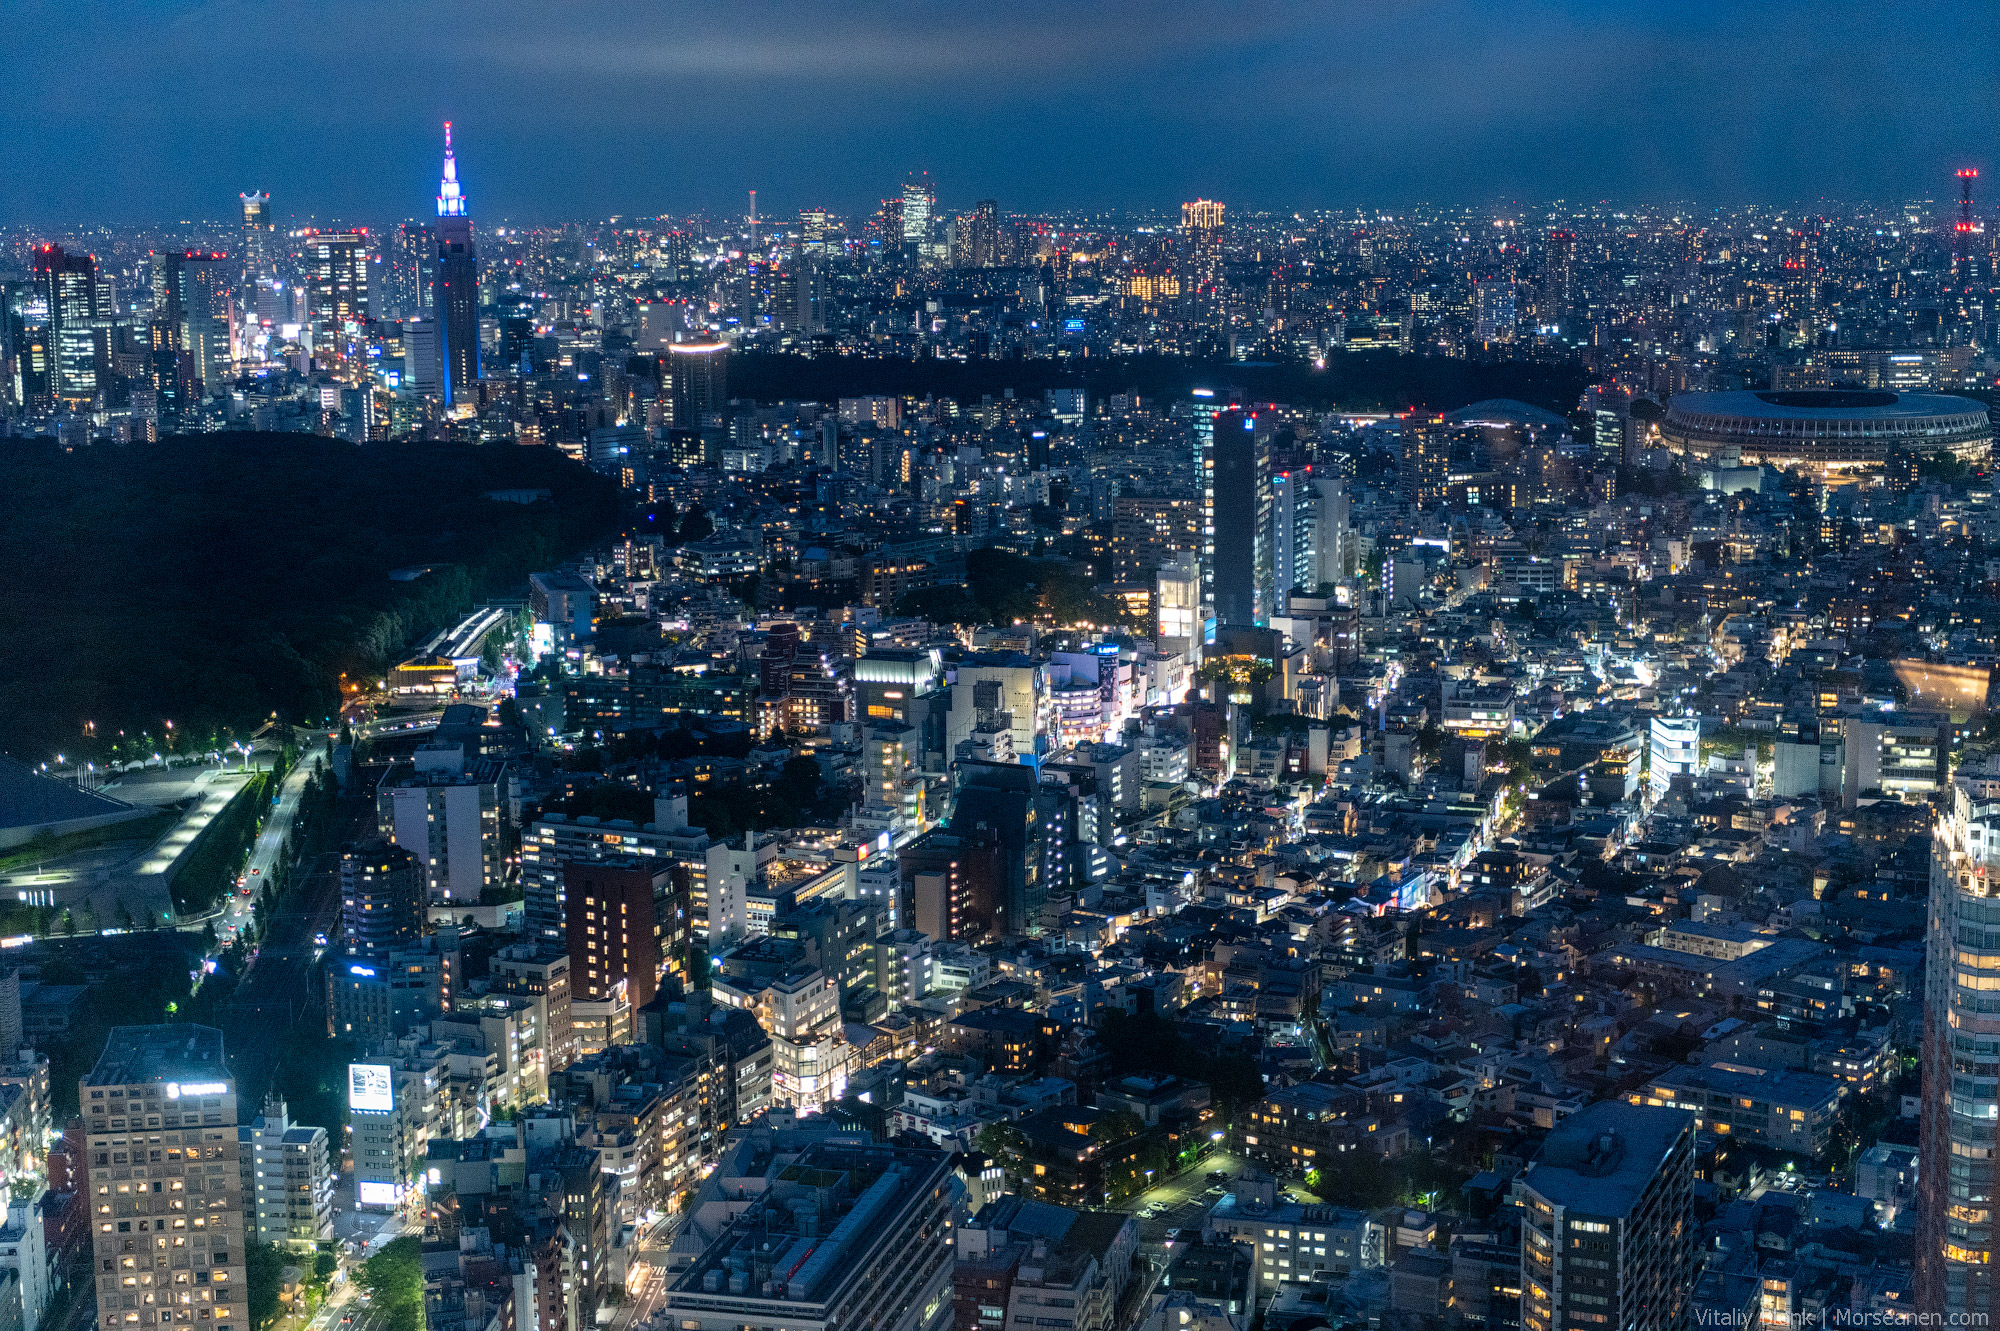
(1821,404)
(1506,411)
(29,799)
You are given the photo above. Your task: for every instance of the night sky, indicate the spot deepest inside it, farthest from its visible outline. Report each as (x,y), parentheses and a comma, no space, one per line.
(150,110)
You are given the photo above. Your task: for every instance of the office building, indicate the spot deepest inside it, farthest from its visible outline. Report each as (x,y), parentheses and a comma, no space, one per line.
(287,1180)
(68,286)
(336,282)
(849,1237)
(168,1236)
(1236,501)
(797,1003)
(564,602)
(813,231)
(1031,1263)
(382,892)
(919,208)
(191,299)
(1008,694)
(905,686)
(1608,1221)
(370,1000)
(700,383)
(457,300)
(258,232)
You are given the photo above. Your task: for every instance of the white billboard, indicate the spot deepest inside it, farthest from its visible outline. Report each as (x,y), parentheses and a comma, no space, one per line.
(371,1088)
(370,1193)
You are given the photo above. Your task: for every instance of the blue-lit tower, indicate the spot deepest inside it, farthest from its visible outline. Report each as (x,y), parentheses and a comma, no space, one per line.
(457,297)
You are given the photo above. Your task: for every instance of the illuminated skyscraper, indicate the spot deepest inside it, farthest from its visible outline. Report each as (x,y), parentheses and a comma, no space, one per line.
(191,295)
(171,1082)
(1558,291)
(812,230)
(1423,468)
(919,207)
(256,235)
(1201,260)
(1494,311)
(701,382)
(983,235)
(1236,509)
(457,300)
(68,285)
(1961,1067)
(336,265)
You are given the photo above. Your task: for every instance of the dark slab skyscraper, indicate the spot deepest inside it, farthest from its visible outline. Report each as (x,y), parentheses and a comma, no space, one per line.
(457,301)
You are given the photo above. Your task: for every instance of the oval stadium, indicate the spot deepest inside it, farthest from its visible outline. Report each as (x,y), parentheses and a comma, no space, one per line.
(1825,430)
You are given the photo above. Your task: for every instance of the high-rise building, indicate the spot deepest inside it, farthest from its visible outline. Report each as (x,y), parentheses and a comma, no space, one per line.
(1201,259)
(1956,1162)
(1177,604)
(381,900)
(919,208)
(423,356)
(409,272)
(174,1228)
(627,928)
(450,820)
(257,236)
(813,231)
(457,299)
(191,296)
(982,236)
(395,1105)
(1607,1235)
(1294,539)
(1493,311)
(1423,470)
(1236,496)
(1558,291)
(336,269)
(67,284)
(700,382)
(555,840)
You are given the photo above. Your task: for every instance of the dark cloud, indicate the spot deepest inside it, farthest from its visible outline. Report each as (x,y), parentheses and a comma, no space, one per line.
(144,109)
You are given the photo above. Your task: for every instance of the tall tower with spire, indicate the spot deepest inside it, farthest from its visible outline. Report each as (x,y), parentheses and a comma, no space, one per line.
(457,299)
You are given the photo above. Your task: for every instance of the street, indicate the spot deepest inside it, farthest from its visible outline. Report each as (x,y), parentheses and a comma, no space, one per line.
(1181,1202)
(270,847)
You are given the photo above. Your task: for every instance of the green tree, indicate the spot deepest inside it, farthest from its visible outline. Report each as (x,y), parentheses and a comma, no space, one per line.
(394,1281)
(264,1266)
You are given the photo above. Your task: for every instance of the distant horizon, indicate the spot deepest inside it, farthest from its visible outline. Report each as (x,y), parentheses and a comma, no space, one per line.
(595,109)
(787,219)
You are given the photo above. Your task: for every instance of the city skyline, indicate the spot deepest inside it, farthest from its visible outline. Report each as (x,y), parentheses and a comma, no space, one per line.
(1271,106)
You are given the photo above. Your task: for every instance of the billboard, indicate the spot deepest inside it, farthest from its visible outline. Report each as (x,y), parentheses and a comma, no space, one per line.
(371,1088)
(370,1193)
